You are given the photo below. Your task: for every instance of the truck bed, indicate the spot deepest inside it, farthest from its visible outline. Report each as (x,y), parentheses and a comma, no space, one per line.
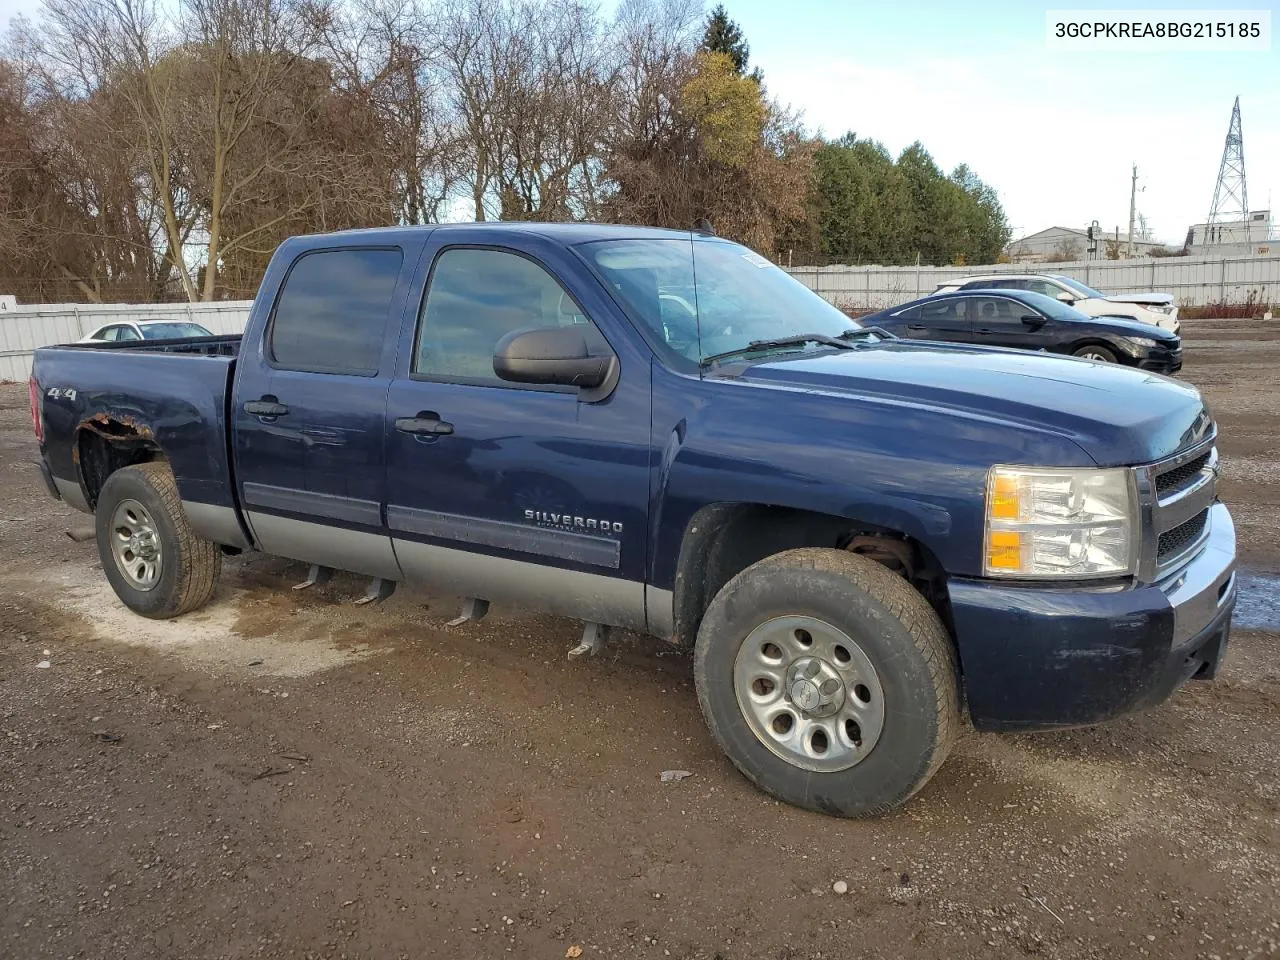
(174,392)
(227,345)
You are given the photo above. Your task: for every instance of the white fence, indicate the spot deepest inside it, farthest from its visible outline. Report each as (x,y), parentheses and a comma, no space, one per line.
(24,328)
(1192,281)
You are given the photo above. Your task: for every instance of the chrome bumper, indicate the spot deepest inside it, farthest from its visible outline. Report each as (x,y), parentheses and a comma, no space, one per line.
(1203,587)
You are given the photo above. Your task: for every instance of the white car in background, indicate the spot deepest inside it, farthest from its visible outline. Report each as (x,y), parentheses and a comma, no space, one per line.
(145,330)
(1157,309)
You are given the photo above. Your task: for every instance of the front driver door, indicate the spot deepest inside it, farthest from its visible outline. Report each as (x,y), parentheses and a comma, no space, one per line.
(998,322)
(530,494)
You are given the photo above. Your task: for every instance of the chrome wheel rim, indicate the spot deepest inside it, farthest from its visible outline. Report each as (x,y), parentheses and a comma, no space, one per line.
(135,545)
(809,693)
(1095,356)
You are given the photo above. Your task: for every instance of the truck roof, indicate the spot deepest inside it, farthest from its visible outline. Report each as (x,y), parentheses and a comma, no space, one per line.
(567,233)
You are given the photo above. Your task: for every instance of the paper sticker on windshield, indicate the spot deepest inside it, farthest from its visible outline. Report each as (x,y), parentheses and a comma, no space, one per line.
(755,259)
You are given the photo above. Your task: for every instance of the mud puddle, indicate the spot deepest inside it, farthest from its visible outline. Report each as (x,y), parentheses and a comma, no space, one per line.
(1258,603)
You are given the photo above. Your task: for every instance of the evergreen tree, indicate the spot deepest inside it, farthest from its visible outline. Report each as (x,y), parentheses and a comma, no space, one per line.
(722,35)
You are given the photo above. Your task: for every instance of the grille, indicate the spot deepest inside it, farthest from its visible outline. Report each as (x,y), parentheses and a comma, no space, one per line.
(1176,477)
(1175,541)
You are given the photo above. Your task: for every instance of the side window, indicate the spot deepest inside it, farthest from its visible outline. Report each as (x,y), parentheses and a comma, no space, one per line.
(108,334)
(477,297)
(993,310)
(126,333)
(1050,290)
(907,315)
(331,316)
(944,311)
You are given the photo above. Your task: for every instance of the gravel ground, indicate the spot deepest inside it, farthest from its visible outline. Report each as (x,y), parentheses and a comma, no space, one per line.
(287,775)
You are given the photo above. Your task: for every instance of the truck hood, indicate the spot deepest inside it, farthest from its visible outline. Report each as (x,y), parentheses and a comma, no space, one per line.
(1146,299)
(1117,415)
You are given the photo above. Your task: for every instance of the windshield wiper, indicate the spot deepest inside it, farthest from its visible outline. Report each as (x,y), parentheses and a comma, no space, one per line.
(860,333)
(797,340)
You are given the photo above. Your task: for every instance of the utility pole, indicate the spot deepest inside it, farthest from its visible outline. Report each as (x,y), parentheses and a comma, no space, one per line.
(1133,208)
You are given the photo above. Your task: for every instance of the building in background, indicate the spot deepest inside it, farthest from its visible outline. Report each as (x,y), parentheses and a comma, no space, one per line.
(1253,236)
(1063,244)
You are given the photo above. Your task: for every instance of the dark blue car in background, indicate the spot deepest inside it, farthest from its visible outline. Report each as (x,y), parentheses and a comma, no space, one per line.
(1022,320)
(866,541)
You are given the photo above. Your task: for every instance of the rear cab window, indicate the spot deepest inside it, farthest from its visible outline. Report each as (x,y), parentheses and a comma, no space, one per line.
(332,312)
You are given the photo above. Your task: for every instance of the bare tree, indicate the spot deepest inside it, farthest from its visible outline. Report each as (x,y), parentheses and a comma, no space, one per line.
(555,113)
(384,52)
(165,147)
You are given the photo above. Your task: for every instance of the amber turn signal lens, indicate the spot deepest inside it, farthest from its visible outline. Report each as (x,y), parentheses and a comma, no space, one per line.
(1004,550)
(1004,497)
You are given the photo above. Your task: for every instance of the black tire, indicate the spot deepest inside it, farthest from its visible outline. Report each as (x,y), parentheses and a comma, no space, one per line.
(1101,354)
(188,564)
(900,634)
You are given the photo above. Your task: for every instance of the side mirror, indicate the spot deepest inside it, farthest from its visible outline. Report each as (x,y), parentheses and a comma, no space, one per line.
(1033,321)
(1066,298)
(550,355)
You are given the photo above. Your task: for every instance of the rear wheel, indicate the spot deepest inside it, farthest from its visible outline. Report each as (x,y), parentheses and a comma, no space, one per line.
(1091,352)
(828,681)
(153,560)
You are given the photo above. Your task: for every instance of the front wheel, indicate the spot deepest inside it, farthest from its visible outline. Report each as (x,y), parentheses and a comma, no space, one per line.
(828,681)
(1100,354)
(155,562)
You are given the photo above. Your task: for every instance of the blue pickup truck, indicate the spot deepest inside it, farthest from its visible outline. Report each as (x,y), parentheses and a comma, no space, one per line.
(864,541)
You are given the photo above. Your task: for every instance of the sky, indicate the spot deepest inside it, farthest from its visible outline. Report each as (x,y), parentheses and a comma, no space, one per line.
(1055,132)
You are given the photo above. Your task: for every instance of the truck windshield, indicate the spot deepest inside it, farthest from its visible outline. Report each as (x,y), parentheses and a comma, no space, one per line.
(701,297)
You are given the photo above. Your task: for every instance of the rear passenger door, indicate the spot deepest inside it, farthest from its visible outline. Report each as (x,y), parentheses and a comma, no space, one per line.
(310,408)
(943,319)
(535,494)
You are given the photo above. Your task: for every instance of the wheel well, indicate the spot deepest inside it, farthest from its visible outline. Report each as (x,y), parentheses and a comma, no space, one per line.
(1120,355)
(104,445)
(722,540)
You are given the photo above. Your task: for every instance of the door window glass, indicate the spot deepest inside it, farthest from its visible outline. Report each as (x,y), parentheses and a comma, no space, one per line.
(477,297)
(1045,287)
(126,333)
(944,313)
(989,310)
(331,316)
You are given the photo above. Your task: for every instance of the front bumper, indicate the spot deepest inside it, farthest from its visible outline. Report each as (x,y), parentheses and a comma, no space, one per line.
(1041,657)
(1161,360)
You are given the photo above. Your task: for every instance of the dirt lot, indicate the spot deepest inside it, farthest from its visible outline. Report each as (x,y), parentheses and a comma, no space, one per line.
(287,775)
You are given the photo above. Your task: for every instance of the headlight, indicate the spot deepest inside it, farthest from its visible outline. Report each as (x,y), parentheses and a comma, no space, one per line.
(1159,308)
(1141,341)
(1068,524)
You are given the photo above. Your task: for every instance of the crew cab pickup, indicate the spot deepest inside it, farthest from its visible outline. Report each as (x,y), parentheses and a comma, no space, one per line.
(864,541)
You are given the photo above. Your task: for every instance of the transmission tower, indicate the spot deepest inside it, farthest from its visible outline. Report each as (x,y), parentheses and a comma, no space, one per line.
(1230,196)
